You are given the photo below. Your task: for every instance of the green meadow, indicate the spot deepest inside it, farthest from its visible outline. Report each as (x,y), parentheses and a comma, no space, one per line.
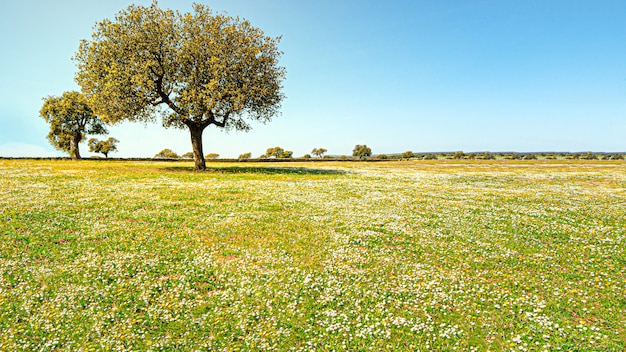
(403,255)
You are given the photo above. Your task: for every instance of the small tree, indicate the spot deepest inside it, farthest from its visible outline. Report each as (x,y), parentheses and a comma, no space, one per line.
(319,151)
(211,156)
(104,147)
(362,151)
(407,155)
(274,152)
(245,156)
(286,154)
(70,118)
(188,155)
(459,155)
(166,154)
(306,156)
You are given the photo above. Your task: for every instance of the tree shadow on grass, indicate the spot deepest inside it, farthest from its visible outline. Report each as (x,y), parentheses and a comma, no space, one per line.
(269,170)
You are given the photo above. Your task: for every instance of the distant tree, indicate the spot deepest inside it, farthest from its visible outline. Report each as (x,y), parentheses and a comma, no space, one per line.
(487,156)
(166,154)
(306,156)
(192,69)
(383,156)
(104,147)
(245,156)
(211,156)
(407,155)
(319,151)
(188,155)
(286,154)
(589,156)
(71,118)
(459,155)
(274,152)
(362,151)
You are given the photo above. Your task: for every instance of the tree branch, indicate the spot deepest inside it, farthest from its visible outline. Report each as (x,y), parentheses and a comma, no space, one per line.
(164,97)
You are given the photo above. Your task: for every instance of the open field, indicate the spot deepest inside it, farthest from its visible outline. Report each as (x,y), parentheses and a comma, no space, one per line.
(314,256)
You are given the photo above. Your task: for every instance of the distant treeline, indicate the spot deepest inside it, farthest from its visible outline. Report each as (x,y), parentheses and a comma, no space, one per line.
(398,156)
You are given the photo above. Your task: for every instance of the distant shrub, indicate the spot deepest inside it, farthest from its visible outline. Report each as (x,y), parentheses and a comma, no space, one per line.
(589,156)
(383,156)
(166,154)
(407,155)
(306,156)
(430,157)
(212,156)
(188,155)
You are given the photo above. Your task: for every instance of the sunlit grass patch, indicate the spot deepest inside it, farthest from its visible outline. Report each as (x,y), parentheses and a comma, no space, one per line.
(323,256)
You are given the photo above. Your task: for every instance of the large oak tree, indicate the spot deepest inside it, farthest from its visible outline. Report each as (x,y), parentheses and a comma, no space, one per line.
(191,69)
(70,117)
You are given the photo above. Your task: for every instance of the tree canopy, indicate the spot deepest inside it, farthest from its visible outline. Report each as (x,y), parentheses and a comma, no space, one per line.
(319,151)
(166,154)
(104,147)
(70,117)
(362,151)
(191,69)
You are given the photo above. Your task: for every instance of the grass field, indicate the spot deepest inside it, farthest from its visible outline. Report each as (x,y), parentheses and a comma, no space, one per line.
(98,255)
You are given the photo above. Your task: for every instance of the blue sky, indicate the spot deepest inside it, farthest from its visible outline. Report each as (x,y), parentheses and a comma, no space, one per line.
(496,75)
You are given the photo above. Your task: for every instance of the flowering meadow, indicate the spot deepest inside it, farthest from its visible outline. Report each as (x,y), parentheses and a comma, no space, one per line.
(325,256)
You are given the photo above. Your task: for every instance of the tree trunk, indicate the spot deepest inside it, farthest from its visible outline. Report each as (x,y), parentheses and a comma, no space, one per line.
(196,143)
(74,152)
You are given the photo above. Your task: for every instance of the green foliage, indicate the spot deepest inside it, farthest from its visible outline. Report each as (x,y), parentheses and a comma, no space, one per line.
(306,156)
(407,155)
(287,154)
(104,147)
(245,156)
(362,151)
(383,156)
(71,118)
(459,155)
(274,152)
(188,155)
(210,156)
(191,69)
(319,152)
(166,154)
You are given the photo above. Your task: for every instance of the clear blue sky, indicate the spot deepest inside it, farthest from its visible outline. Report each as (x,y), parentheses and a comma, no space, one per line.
(496,75)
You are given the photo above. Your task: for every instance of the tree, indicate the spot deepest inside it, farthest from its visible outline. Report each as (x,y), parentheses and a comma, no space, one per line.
(319,151)
(166,154)
(191,69)
(362,151)
(274,152)
(71,118)
(244,156)
(104,147)
(210,156)
(188,155)
(287,154)
(407,155)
